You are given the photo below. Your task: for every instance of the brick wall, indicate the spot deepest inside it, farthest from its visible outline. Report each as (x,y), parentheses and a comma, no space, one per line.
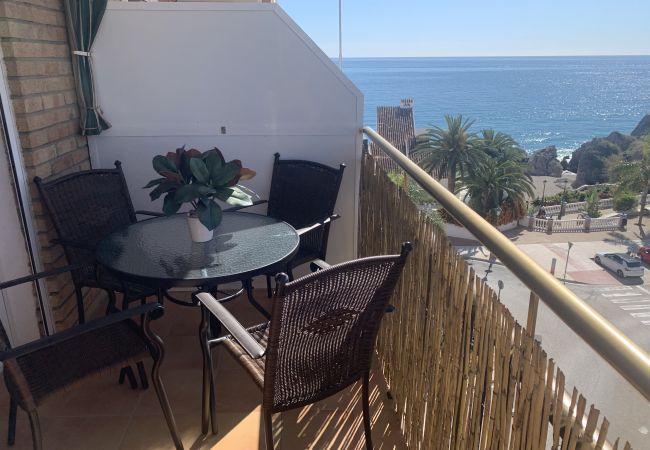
(39,71)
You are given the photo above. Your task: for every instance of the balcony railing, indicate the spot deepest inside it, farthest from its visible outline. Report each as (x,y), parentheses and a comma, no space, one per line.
(463,373)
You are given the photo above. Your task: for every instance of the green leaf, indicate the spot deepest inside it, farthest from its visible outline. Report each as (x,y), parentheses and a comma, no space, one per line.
(239,197)
(199,170)
(214,163)
(186,193)
(162,188)
(153,183)
(162,164)
(223,194)
(226,174)
(209,215)
(170,205)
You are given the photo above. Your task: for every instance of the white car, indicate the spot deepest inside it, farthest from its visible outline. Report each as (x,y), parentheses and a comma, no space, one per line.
(622,264)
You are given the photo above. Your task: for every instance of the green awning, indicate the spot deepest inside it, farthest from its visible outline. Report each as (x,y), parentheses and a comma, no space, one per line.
(84,17)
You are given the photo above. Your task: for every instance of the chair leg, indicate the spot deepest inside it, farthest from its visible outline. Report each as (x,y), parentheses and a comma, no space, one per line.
(11,430)
(131,376)
(144,381)
(158,354)
(112,301)
(269,290)
(80,304)
(208,415)
(35,425)
(268,429)
(366,410)
(248,285)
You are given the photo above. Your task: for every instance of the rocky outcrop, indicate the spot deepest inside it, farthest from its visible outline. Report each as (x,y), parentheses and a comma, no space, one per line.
(621,142)
(544,162)
(589,161)
(643,128)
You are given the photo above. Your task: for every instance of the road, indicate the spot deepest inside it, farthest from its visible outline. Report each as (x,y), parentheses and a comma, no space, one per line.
(627,307)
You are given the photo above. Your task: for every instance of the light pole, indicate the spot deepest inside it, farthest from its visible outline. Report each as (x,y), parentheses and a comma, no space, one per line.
(500,283)
(544,193)
(567,259)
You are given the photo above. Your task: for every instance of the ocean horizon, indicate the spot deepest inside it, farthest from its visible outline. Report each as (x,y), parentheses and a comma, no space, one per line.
(539,100)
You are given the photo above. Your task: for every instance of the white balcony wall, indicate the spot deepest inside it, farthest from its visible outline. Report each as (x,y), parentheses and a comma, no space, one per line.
(173,74)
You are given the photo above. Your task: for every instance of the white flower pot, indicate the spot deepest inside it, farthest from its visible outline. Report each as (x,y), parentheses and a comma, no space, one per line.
(198,231)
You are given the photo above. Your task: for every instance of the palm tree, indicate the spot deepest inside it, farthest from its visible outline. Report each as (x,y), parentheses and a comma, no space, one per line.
(449,151)
(489,184)
(635,175)
(499,145)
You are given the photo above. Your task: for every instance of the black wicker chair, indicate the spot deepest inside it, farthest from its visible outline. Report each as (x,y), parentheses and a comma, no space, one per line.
(85,207)
(320,340)
(35,371)
(303,194)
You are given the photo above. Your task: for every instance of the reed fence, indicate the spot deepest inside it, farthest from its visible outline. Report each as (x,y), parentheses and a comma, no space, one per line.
(464,374)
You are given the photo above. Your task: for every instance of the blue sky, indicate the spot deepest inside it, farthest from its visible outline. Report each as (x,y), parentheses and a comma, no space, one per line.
(477,27)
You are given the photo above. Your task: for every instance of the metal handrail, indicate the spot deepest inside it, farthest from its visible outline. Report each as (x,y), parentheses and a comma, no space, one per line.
(631,361)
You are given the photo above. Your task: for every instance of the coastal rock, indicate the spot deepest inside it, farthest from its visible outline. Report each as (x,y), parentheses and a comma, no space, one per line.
(643,128)
(589,161)
(621,141)
(544,162)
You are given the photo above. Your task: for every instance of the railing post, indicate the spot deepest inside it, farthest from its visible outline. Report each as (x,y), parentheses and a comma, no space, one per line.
(531,223)
(587,224)
(622,222)
(549,226)
(533,306)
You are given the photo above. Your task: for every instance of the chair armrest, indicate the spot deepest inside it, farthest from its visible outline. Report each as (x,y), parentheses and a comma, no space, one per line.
(319,264)
(237,208)
(76,244)
(236,329)
(153,309)
(150,213)
(330,219)
(38,276)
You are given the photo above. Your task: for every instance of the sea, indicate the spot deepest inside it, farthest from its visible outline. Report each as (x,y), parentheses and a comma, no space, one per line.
(539,101)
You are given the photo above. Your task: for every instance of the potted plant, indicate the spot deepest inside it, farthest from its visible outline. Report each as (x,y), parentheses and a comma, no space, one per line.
(199,178)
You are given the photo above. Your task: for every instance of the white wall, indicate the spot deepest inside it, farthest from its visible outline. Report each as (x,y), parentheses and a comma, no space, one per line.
(169,74)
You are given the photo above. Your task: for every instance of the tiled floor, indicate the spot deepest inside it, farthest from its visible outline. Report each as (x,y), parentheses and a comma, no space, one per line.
(100,414)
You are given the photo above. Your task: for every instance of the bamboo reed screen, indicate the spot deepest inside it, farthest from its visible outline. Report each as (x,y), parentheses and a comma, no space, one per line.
(464,374)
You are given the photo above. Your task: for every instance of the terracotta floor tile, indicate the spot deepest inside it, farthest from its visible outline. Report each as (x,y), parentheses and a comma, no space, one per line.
(100,414)
(72,433)
(183,387)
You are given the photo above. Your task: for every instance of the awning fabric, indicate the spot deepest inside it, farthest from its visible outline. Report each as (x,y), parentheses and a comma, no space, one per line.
(84,17)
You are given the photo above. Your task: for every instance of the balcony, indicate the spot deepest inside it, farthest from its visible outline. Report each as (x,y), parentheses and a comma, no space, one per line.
(460,371)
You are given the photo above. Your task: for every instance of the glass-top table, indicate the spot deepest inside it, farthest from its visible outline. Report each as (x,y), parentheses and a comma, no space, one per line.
(159,252)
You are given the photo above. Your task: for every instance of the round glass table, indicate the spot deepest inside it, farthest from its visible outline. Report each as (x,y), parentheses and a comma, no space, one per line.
(159,252)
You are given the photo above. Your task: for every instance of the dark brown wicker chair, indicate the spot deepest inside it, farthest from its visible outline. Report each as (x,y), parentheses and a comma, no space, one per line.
(35,371)
(320,340)
(85,207)
(303,194)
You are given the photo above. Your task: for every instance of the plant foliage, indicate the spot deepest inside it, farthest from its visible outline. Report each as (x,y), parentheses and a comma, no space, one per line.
(200,178)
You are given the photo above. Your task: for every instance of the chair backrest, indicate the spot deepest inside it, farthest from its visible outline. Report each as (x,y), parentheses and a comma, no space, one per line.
(86,206)
(323,331)
(303,193)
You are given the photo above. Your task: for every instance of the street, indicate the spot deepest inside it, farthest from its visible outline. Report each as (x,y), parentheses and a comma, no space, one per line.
(627,307)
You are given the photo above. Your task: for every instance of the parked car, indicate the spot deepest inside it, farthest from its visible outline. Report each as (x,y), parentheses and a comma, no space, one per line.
(644,254)
(622,264)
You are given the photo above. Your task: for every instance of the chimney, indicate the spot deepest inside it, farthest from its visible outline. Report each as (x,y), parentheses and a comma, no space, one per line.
(406,103)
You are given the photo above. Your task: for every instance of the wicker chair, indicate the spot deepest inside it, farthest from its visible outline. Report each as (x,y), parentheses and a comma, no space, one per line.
(303,194)
(35,371)
(320,340)
(85,207)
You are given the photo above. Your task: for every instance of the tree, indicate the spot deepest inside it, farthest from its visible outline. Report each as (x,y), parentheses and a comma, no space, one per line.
(491,183)
(499,145)
(449,151)
(634,175)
